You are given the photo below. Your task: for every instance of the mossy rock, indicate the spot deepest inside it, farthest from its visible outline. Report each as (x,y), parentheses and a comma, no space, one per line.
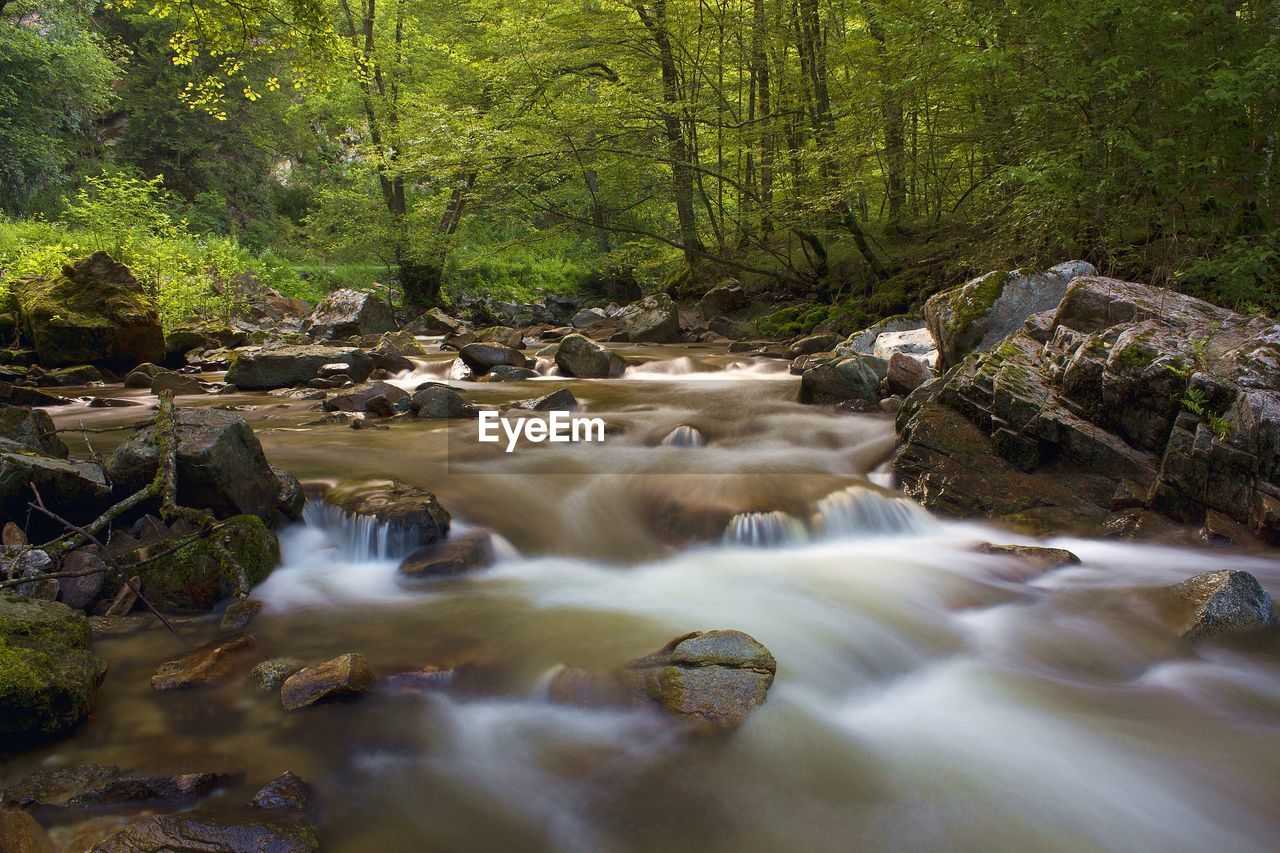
(193,579)
(48,672)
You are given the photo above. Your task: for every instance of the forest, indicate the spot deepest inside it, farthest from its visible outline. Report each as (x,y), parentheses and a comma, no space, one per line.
(844,158)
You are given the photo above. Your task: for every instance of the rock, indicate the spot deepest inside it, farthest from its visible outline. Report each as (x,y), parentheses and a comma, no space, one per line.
(1216,604)
(435,322)
(93,312)
(106,785)
(380,407)
(286,792)
(193,578)
(483,357)
(143,375)
(684,436)
(917,343)
(35,565)
(177,383)
(502,336)
(584,358)
(193,832)
(270,674)
(345,677)
(440,402)
(79,593)
(465,552)
(71,377)
(561,400)
(735,331)
(17,395)
(414,516)
(852,377)
(239,614)
(588,317)
(1040,559)
(864,342)
(290,498)
(346,313)
(31,428)
(182,341)
(458,340)
(507,373)
(48,672)
(979,314)
(358,399)
(654,319)
(906,374)
(805,363)
(713,679)
(209,664)
(75,490)
(724,299)
(812,344)
(14,537)
(290,366)
(221,466)
(21,833)
(125,599)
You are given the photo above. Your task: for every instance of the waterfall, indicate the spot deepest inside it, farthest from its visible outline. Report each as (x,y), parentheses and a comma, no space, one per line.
(359,538)
(765,530)
(862,512)
(684,436)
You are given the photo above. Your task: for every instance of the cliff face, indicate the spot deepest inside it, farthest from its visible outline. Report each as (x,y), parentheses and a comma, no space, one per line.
(1123,402)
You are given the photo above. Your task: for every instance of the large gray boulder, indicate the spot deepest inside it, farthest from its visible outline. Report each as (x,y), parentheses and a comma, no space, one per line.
(439,402)
(483,357)
(853,377)
(1216,604)
(346,313)
(588,317)
(723,299)
(285,367)
(979,314)
(864,342)
(31,428)
(654,319)
(584,358)
(75,490)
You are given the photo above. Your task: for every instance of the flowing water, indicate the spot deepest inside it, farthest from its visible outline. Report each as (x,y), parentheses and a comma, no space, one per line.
(928,697)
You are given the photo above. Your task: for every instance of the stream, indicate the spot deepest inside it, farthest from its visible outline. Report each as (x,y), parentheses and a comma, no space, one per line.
(927,696)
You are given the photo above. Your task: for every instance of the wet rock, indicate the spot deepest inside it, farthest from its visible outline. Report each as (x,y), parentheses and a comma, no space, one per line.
(458,340)
(290,498)
(724,299)
(561,400)
(654,319)
(809,362)
(438,402)
(193,579)
(239,614)
(483,357)
(435,322)
(977,315)
(21,833)
(290,366)
(176,383)
(195,832)
(358,399)
(143,375)
(346,313)
(345,677)
(221,466)
(211,663)
(79,593)
(584,358)
(906,374)
(812,344)
(713,679)
(1040,559)
(286,792)
(18,395)
(464,552)
(75,490)
(31,428)
(502,336)
(271,673)
(507,373)
(1216,604)
(684,436)
(48,672)
(853,377)
(413,515)
(588,317)
(71,377)
(93,312)
(106,784)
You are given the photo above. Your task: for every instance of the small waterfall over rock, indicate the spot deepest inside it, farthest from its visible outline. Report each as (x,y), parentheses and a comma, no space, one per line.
(862,512)
(359,538)
(765,530)
(684,436)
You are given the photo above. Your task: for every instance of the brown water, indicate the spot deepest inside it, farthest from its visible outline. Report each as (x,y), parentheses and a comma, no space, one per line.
(927,697)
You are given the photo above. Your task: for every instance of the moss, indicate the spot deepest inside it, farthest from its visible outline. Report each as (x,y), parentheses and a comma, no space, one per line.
(792,321)
(1136,357)
(193,580)
(976,300)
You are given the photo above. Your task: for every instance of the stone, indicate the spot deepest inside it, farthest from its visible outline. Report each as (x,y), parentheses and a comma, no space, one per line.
(176,383)
(979,314)
(812,344)
(863,342)
(271,673)
(1216,604)
(76,490)
(414,516)
(906,373)
(239,614)
(290,366)
(71,377)
(85,785)
(654,319)
(508,373)
(379,406)
(585,359)
(143,375)
(345,677)
(79,593)
(18,395)
(194,832)
(211,663)
(31,428)
(561,400)
(286,792)
(93,312)
(290,498)
(221,466)
(13,537)
(502,336)
(459,554)
(852,377)
(723,299)
(21,833)
(1040,559)
(435,322)
(439,402)
(48,672)
(588,317)
(483,357)
(917,343)
(35,565)
(358,399)
(346,313)
(733,330)
(182,341)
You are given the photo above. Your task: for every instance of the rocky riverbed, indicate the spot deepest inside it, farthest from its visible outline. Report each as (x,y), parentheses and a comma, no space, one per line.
(384,634)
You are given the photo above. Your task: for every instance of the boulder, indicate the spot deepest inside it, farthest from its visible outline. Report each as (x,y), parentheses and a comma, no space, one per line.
(93,312)
(19,395)
(863,342)
(906,373)
(290,366)
(501,335)
(70,377)
(21,833)
(221,466)
(75,490)
(358,399)
(239,613)
(48,672)
(32,428)
(465,552)
(561,400)
(286,792)
(86,785)
(584,358)
(654,319)
(290,498)
(345,677)
(182,341)
(805,363)
(812,344)
(271,673)
(731,329)
(917,343)
(143,375)
(196,832)
(979,314)
(483,357)
(723,299)
(347,313)
(1038,558)
(435,322)
(853,377)
(1216,604)
(588,317)
(413,516)
(439,402)
(80,592)
(508,373)
(176,383)
(211,663)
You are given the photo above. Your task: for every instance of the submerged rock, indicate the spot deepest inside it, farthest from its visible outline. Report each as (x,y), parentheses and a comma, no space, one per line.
(196,832)
(1216,604)
(584,358)
(465,552)
(209,664)
(439,402)
(561,400)
(346,313)
(1041,559)
(286,792)
(345,677)
(271,673)
(106,784)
